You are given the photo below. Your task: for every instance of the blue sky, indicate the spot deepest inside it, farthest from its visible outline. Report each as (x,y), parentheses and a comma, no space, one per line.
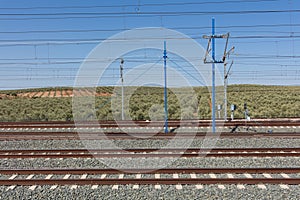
(44,42)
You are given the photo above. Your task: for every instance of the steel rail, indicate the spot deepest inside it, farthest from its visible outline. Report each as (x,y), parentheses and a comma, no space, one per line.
(174,123)
(136,136)
(139,134)
(141,150)
(160,155)
(152,171)
(134,153)
(152,181)
(124,137)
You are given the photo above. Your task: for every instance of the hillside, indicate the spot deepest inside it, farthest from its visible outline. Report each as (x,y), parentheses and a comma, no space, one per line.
(48,104)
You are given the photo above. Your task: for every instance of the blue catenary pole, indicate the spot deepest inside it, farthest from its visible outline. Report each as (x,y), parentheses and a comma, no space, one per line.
(213,78)
(165,89)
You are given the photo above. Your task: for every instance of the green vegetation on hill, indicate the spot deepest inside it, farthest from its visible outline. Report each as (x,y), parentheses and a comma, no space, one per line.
(36,109)
(266,101)
(147,103)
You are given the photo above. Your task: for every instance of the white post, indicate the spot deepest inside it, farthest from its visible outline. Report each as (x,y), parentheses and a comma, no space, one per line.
(225,93)
(122,82)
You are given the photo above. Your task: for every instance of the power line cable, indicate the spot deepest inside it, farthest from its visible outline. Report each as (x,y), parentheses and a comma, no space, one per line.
(50,41)
(134,5)
(177,28)
(89,15)
(160,13)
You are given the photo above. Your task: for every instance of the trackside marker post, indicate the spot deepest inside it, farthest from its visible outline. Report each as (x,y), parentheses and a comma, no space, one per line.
(165,89)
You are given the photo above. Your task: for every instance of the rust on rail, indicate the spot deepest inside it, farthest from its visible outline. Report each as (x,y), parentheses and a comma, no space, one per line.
(152,171)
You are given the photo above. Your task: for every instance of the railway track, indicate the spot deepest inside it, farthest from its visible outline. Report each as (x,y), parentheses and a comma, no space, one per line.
(136,136)
(175,176)
(38,175)
(144,153)
(172,123)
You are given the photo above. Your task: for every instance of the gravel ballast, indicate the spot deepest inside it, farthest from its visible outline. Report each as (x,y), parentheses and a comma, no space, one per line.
(206,162)
(149,191)
(147,143)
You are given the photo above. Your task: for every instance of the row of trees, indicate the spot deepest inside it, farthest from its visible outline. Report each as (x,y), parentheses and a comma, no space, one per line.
(147,103)
(39,109)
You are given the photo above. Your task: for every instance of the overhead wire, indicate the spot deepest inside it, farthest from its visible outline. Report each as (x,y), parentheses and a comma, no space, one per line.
(160,13)
(55,41)
(134,5)
(176,28)
(171,27)
(82,15)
